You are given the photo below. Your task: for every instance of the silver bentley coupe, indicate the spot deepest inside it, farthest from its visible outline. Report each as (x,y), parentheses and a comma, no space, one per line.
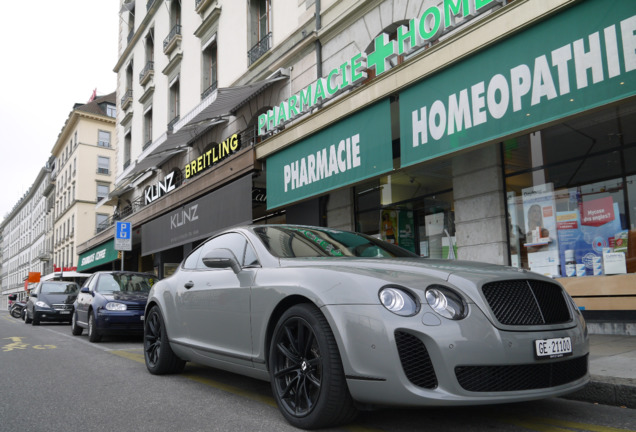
(338,320)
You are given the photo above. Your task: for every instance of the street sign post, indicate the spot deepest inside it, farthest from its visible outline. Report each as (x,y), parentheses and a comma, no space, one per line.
(123,239)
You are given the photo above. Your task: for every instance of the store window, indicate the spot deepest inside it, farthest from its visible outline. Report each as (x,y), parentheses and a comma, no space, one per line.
(571,195)
(412,208)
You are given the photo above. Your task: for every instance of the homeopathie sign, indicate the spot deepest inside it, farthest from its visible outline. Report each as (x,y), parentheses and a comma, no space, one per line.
(583,58)
(433,23)
(351,150)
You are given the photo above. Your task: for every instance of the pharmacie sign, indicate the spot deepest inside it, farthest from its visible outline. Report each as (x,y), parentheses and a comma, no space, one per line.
(354,149)
(582,58)
(433,23)
(214,155)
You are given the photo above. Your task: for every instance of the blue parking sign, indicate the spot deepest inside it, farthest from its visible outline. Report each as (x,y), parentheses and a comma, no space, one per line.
(122,230)
(123,237)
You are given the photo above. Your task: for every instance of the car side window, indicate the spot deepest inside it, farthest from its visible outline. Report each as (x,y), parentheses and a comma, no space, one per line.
(250,256)
(91,283)
(191,261)
(232,241)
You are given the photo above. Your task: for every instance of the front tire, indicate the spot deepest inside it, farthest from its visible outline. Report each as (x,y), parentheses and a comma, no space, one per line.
(76,330)
(160,359)
(27,320)
(93,333)
(306,371)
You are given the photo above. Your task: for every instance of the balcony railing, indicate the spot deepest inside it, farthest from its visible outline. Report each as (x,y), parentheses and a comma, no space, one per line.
(126,99)
(173,122)
(148,71)
(208,90)
(175,34)
(261,47)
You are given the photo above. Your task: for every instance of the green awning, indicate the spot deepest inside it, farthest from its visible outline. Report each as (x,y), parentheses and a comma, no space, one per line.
(99,255)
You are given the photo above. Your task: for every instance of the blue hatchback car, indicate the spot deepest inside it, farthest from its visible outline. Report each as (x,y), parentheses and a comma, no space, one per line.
(112,302)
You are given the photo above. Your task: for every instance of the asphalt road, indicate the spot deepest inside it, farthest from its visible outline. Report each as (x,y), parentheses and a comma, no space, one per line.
(53,381)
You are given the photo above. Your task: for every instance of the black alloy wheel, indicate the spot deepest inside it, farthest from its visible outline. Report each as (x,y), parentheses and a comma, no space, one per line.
(306,372)
(159,357)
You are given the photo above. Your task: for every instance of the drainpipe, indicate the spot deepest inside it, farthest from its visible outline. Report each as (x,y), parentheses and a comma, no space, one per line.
(318,44)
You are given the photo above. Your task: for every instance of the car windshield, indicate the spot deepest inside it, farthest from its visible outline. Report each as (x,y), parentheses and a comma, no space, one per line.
(125,282)
(305,242)
(59,288)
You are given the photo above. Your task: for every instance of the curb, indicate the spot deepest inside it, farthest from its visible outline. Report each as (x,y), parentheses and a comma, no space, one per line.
(607,391)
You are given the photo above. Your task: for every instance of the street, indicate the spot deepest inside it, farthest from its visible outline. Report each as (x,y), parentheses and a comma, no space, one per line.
(53,381)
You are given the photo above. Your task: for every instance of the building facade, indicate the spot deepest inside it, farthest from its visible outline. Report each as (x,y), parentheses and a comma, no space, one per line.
(60,210)
(25,247)
(496,131)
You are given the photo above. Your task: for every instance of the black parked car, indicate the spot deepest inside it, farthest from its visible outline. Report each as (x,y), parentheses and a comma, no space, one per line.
(51,301)
(112,302)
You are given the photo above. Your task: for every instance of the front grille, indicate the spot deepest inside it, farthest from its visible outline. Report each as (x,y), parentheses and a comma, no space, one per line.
(62,307)
(135,306)
(416,362)
(520,377)
(527,302)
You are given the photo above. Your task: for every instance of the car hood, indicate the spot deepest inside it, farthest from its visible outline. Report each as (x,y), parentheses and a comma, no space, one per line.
(139,297)
(418,273)
(57,298)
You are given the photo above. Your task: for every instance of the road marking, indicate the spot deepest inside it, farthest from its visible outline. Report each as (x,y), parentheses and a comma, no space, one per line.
(139,358)
(16,344)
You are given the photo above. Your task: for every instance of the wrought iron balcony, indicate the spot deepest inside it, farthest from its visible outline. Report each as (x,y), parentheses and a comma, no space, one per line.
(261,47)
(126,100)
(147,73)
(209,90)
(171,41)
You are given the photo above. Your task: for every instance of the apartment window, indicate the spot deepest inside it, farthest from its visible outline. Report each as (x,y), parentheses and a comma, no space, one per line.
(147,128)
(260,33)
(103,138)
(101,221)
(76,139)
(111,111)
(209,70)
(127,146)
(173,103)
(103,165)
(102,191)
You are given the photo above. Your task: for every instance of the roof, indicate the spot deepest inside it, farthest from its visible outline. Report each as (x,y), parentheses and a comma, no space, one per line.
(94,106)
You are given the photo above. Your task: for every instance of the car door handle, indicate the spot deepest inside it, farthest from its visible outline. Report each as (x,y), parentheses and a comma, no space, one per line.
(189,284)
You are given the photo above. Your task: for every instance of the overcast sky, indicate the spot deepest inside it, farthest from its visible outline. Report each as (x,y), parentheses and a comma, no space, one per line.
(54,54)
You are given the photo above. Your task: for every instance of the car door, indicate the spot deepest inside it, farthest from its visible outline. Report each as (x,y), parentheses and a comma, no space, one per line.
(216,303)
(84,299)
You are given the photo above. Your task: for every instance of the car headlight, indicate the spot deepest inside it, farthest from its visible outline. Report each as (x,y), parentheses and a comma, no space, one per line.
(42,304)
(114,306)
(446,302)
(398,301)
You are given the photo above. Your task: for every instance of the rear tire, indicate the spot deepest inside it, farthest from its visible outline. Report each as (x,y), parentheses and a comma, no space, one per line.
(93,333)
(75,329)
(159,357)
(306,371)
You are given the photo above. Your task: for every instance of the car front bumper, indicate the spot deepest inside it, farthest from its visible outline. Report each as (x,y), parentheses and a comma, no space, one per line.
(52,315)
(427,360)
(129,321)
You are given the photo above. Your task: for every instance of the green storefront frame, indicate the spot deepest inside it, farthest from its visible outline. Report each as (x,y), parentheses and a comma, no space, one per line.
(580,59)
(97,256)
(354,149)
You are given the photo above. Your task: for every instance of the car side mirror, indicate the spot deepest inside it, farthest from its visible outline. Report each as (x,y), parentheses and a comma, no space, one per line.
(85,290)
(34,295)
(221,258)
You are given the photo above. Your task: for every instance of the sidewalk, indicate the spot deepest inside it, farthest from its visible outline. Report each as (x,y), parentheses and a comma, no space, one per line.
(613,371)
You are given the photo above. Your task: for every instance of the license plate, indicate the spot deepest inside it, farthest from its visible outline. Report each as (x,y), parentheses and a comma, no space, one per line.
(65,312)
(553,348)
